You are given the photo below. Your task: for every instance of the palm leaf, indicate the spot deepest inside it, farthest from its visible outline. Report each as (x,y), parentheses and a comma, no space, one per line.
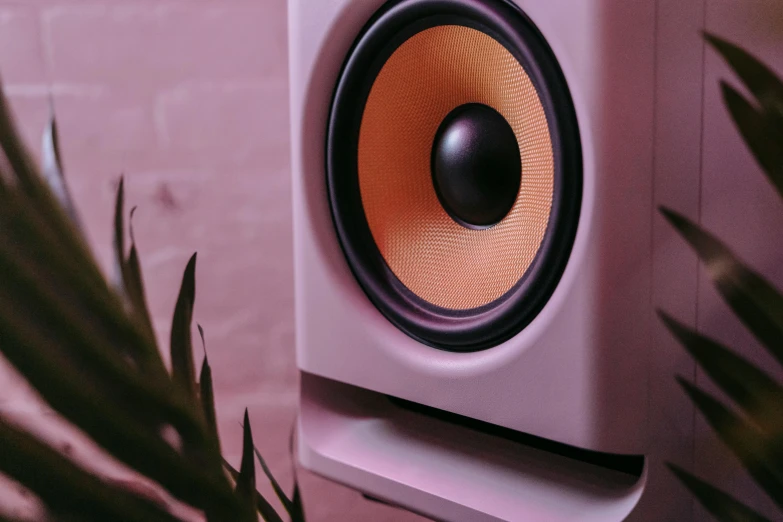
(297,511)
(22,164)
(64,487)
(118,237)
(287,504)
(722,506)
(758,454)
(246,477)
(72,393)
(755,391)
(183,372)
(763,137)
(757,77)
(263,506)
(81,377)
(134,286)
(26,175)
(297,514)
(756,302)
(206,393)
(86,327)
(130,283)
(94,359)
(246,481)
(58,313)
(53,168)
(25,235)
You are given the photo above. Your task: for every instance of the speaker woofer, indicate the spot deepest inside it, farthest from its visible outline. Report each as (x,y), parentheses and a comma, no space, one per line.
(457,268)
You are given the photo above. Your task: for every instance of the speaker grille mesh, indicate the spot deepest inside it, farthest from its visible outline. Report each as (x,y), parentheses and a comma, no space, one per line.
(428,76)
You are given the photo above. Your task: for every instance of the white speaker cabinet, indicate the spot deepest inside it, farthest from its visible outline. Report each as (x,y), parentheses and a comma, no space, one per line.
(572,417)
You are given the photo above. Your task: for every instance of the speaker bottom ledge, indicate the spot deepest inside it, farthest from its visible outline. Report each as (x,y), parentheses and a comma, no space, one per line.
(450,470)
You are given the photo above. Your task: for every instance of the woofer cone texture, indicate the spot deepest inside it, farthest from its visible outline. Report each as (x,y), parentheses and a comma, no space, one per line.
(441,281)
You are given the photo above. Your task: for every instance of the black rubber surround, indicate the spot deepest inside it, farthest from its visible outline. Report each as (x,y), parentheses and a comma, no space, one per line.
(491,324)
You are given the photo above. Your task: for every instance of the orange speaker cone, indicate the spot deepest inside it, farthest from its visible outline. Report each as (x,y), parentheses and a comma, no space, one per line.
(424,79)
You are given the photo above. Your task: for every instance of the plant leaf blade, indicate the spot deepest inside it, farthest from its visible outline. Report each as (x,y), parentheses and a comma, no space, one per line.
(183,372)
(65,487)
(763,138)
(287,504)
(134,286)
(721,505)
(52,168)
(246,481)
(297,509)
(752,389)
(757,77)
(206,392)
(263,506)
(753,299)
(746,442)
(85,399)
(118,236)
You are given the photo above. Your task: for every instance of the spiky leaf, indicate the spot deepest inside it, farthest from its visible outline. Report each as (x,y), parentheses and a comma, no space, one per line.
(297,506)
(760,455)
(69,334)
(53,168)
(134,286)
(81,320)
(246,481)
(297,513)
(22,165)
(721,505)
(757,77)
(24,172)
(287,504)
(752,389)
(763,137)
(206,394)
(183,371)
(118,237)
(66,488)
(90,388)
(262,505)
(752,298)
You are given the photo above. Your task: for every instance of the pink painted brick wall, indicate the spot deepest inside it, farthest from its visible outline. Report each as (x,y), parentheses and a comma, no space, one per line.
(188,99)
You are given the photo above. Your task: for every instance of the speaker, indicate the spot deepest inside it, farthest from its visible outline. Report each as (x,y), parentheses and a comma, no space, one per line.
(473,205)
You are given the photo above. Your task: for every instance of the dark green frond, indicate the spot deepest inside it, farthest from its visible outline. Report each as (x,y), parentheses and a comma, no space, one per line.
(752,389)
(183,371)
(752,298)
(760,455)
(66,488)
(246,481)
(762,134)
(757,77)
(287,504)
(206,393)
(262,505)
(721,505)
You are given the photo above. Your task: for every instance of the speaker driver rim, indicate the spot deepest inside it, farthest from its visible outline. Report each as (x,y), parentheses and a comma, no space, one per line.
(448,329)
